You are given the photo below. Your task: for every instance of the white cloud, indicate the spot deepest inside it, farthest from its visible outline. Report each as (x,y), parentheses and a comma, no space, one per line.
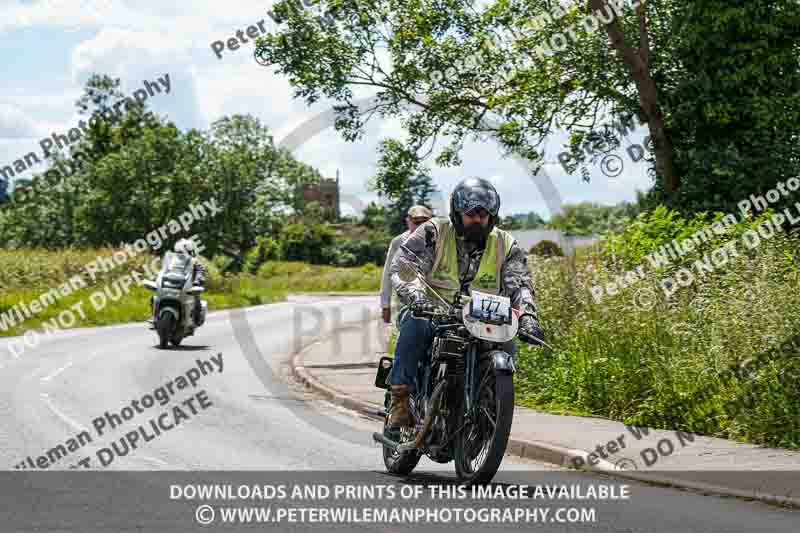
(195,20)
(14,122)
(157,37)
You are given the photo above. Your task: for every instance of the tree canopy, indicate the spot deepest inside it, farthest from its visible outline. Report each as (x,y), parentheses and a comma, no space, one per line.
(452,70)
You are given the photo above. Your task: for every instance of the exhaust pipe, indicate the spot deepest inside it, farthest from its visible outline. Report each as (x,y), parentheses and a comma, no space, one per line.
(428,424)
(394,446)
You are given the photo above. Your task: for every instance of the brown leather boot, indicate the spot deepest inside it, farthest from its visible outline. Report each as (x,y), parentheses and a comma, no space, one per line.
(399,413)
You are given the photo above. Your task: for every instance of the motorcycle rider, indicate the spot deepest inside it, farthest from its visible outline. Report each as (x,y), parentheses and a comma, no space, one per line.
(466,249)
(416,216)
(186,246)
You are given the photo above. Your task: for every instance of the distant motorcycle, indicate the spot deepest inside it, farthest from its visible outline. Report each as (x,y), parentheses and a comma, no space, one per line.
(173,302)
(463,406)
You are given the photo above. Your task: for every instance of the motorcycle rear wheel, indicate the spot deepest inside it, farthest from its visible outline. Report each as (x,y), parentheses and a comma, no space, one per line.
(481,444)
(400,464)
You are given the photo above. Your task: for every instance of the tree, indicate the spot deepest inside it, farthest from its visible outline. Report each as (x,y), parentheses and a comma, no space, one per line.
(135,172)
(403,179)
(587,218)
(376,217)
(534,221)
(453,70)
(736,103)
(510,223)
(525,96)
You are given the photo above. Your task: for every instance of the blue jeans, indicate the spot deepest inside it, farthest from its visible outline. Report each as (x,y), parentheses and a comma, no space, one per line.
(416,336)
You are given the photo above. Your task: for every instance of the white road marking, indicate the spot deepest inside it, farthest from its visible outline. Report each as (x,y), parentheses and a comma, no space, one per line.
(57,372)
(153,460)
(59,414)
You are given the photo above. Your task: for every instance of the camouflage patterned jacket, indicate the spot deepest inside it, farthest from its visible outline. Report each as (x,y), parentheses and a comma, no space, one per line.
(420,250)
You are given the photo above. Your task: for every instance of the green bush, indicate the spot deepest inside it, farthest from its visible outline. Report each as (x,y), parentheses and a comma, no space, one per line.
(306,242)
(547,249)
(221,262)
(266,249)
(645,359)
(359,249)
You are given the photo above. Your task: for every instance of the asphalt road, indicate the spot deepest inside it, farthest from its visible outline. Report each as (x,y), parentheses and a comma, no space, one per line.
(244,418)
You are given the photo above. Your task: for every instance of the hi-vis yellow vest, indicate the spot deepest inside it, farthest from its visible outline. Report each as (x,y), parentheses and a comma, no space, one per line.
(444,276)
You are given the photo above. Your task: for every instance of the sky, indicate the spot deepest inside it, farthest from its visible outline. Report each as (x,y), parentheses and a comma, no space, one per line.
(51,47)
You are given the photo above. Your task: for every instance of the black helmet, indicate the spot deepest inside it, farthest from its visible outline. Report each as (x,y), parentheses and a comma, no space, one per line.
(469,194)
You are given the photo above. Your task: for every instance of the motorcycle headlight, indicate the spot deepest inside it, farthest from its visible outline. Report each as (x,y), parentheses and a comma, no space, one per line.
(171,284)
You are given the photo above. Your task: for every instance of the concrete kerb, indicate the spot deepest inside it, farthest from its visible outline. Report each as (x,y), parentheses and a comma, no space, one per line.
(535,450)
(699,486)
(336,396)
(539,451)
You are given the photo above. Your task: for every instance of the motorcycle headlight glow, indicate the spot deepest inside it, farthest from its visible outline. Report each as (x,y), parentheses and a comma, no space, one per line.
(172,284)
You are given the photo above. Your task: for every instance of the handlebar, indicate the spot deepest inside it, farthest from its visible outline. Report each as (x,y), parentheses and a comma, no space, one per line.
(455,316)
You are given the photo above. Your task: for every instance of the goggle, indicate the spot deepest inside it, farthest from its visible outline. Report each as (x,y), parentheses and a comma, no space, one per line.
(466,201)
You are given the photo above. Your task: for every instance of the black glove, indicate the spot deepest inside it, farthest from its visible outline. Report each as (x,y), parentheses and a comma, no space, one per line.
(529,331)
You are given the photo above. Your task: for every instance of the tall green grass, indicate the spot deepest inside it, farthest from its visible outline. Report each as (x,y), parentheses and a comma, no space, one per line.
(660,366)
(25,274)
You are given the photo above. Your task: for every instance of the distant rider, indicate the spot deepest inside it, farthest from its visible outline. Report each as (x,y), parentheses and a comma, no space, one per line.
(186,246)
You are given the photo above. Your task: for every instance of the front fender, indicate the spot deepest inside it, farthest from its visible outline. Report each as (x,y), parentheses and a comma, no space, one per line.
(502,362)
(170,310)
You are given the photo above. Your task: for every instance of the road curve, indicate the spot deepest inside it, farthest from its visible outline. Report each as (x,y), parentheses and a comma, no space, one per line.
(237,421)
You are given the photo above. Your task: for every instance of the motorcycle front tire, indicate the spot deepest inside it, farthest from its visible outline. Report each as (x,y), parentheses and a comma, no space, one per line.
(164,327)
(504,415)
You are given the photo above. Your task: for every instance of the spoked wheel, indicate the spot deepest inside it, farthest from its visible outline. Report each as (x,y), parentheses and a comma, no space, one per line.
(481,444)
(399,463)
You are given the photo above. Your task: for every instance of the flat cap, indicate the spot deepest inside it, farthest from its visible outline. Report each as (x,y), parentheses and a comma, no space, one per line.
(420,211)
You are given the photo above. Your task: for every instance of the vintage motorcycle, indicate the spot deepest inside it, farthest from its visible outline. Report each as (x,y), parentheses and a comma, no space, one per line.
(173,302)
(463,404)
